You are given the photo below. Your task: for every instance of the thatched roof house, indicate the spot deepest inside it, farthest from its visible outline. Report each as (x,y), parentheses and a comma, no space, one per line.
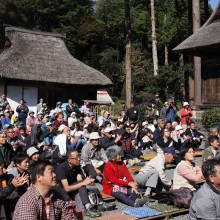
(205,43)
(208,36)
(41,60)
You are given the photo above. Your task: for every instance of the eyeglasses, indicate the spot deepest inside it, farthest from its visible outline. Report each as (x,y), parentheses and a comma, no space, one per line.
(75,158)
(10,132)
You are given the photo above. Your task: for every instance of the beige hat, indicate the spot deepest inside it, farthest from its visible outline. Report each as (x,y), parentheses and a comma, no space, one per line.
(94,136)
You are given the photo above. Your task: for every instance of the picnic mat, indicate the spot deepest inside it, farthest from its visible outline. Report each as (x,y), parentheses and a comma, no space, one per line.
(117,216)
(162,207)
(142,212)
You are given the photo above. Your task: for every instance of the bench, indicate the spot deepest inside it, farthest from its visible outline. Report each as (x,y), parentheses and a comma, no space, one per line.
(198,153)
(134,169)
(107,197)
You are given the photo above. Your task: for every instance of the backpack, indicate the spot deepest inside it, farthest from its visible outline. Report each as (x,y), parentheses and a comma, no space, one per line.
(180,198)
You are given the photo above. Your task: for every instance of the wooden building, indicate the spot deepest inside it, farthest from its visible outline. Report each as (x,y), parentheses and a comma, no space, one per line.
(37,64)
(205,43)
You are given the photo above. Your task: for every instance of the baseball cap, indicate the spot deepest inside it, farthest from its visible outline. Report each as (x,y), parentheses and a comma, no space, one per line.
(145,123)
(178,127)
(48,123)
(31,151)
(170,150)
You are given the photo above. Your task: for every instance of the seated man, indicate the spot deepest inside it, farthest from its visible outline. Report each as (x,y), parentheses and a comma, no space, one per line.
(148,174)
(94,157)
(40,201)
(213,150)
(195,136)
(71,178)
(205,203)
(108,140)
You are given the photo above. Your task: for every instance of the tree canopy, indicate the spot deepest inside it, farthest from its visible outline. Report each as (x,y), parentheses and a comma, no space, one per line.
(95,34)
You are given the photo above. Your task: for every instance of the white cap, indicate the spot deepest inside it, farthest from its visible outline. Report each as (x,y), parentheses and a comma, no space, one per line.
(185,104)
(94,136)
(145,123)
(107,112)
(48,123)
(107,130)
(178,127)
(61,128)
(73,113)
(31,151)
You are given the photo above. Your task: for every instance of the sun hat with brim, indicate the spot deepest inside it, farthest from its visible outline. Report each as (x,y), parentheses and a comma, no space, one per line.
(94,136)
(31,151)
(185,104)
(170,150)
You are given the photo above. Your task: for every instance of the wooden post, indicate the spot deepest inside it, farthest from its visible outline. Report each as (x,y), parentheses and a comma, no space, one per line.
(197,60)
(128,53)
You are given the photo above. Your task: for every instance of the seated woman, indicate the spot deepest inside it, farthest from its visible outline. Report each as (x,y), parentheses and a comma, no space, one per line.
(186,174)
(21,161)
(117,180)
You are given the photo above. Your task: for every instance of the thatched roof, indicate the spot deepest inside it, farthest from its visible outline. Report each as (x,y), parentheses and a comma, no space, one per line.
(207,36)
(40,56)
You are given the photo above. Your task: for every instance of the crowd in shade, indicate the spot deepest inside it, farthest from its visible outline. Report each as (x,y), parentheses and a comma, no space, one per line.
(57,163)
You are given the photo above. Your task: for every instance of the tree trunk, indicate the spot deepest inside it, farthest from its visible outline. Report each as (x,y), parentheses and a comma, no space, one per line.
(128,53)
(197,60)
(154,38)
(166,55)
(181,59)
(183,85)
(206,9)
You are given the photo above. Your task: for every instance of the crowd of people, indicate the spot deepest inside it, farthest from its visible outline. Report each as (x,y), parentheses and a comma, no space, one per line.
(50,158)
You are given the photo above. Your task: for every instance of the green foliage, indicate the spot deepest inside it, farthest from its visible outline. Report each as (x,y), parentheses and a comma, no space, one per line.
(211,118)
(141,110)
(169,80)
(95,34)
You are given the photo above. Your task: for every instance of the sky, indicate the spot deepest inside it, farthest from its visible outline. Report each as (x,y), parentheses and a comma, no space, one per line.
(213,3)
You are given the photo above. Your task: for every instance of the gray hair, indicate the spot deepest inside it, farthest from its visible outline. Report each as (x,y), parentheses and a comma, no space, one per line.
(113,151)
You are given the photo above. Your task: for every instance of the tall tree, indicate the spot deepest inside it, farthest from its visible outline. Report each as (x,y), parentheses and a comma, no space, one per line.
(197,60)
(128,53)
(154,38)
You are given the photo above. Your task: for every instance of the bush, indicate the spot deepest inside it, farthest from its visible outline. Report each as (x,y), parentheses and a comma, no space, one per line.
(211,118)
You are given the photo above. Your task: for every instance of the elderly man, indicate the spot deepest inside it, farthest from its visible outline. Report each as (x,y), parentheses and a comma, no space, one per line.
(94,157)
(148,175)
(40,201)
(7,152)
(205,203)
